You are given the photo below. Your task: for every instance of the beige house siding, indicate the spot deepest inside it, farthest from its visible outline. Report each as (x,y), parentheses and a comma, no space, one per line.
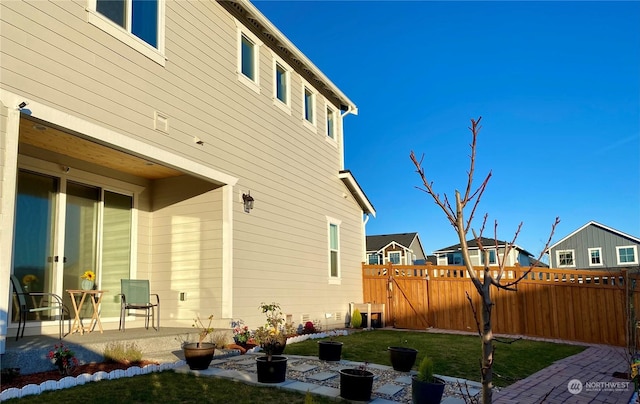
(279,252)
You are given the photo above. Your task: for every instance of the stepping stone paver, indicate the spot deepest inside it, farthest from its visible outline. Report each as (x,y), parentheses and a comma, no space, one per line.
(323,376)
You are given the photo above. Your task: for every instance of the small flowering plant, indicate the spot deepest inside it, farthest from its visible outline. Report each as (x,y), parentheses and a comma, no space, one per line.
(64,358)
(203,331)
(89,275)
(270,336)
(241,333)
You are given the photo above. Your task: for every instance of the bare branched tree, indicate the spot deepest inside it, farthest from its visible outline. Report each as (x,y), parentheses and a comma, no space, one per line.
(484,280)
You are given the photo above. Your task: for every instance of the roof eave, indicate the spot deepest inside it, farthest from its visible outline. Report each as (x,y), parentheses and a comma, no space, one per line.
(352,185)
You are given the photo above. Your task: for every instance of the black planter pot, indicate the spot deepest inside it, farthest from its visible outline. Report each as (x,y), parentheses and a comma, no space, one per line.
(198,356)
(274,371)
(356,384)
(426,393)
(329,350)
(402,358)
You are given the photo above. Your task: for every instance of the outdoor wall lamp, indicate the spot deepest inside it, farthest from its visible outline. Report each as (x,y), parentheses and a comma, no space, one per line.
(248,202)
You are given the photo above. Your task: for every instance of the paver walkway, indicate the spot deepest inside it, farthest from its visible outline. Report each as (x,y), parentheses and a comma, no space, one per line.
(590,373)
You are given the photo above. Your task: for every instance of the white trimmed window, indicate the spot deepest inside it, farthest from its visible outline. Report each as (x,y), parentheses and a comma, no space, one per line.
(492,257)
(373,259)
(333,226)
(627,255)
(595,257)
(332,124)
(281,84)
(248,58)
(395,257)
(565,258)
(308,107)
(138,23)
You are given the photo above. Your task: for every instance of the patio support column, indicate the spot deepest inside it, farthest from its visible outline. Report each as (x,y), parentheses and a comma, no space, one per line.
(9,133)
(227,252)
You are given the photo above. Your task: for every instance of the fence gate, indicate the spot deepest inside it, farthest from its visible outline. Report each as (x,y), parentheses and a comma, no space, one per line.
(403,290)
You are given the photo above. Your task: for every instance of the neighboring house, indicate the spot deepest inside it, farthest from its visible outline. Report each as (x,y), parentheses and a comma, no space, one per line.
(594,246)
(452,255)
(134,146)
(402,249)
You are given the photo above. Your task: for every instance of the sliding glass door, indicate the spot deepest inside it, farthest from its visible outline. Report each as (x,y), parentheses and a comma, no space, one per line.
(64,228)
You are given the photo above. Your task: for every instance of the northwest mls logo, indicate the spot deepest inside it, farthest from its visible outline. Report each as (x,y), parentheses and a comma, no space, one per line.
(574,386)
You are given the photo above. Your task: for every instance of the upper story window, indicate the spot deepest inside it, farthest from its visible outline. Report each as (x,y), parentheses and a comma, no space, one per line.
(282,84)
(373,259)
(138,23)
(395,257)
(331,123)
(627,255)
(595,256)
(565,258)
(248,57)
(140,17)
(454,258)
(309,106)
(492,257)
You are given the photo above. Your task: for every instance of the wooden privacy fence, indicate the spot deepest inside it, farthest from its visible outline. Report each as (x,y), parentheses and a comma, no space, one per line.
(586,306)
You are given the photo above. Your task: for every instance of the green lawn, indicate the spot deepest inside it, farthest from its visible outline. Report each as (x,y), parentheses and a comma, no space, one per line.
(454,355)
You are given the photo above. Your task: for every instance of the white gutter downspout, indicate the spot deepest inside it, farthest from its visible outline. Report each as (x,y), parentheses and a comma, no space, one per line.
(350,110)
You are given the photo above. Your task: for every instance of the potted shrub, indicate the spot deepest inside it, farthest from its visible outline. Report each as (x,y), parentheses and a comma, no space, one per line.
(199,354)
(356,383)
(425,387)
(272,368)
(402,358)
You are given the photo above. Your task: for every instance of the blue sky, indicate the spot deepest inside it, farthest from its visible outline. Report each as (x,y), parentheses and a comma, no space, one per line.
(557,85)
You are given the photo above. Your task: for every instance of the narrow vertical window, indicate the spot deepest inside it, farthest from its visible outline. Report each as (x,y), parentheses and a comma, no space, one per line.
(333,250)
(281,84)
(308,105)
(595,256)
(248,67)
(331,124)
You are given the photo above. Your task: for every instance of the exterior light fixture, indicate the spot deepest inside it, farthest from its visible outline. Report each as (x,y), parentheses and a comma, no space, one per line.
(248,202)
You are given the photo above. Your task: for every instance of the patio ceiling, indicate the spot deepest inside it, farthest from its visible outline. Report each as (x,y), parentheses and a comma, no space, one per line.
(47,137)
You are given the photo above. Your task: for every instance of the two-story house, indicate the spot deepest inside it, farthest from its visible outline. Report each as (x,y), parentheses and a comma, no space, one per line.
(185,142)
(594,246)
(401,249)
(452,255)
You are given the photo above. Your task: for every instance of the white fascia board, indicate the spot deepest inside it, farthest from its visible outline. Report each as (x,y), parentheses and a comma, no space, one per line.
(357,192)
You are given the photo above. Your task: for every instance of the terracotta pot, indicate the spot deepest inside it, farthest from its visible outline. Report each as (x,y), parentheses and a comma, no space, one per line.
(402,358)
(356,384)
(198,356)
(271,371)
(329,350)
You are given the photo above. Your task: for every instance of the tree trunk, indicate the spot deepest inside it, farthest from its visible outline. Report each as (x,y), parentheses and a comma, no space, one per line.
(487,341)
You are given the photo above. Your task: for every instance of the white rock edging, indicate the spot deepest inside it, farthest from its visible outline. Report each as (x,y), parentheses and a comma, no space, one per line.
(70,381)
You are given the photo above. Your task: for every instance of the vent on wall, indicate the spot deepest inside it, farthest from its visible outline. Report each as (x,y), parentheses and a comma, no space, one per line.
(161,122)
(305,318)
(338,316)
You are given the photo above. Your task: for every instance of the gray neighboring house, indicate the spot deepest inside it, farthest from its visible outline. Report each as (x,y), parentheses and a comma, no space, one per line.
(452,255)
(401,249)
(594,246)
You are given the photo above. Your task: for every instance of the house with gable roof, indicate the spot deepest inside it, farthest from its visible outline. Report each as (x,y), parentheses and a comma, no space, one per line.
(452,255)
(188,143)
(595,246)
(400,248)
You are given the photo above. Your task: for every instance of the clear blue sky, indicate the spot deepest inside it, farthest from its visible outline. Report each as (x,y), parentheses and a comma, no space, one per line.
(557,86)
